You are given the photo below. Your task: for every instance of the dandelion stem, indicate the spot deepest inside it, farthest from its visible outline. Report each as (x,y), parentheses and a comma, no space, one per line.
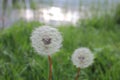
(50,68)
(78,73)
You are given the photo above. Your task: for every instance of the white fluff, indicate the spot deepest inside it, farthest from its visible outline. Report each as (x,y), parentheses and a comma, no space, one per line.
(82,57)
(46,40)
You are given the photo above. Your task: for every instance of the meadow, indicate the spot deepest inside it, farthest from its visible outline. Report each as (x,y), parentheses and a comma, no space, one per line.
(18,60)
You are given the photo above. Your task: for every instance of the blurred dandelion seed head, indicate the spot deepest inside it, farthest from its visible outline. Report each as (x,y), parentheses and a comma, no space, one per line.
(46,40)
(82,57)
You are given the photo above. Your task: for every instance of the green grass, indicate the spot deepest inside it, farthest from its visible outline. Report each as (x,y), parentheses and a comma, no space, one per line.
(18,60)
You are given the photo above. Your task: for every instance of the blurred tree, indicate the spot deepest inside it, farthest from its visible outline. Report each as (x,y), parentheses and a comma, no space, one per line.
(4,7)
(18,3)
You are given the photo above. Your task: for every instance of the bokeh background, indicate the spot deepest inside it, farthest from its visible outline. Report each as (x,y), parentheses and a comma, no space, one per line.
(83,23)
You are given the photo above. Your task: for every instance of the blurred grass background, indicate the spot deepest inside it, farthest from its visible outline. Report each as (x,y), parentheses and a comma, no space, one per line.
(18,60)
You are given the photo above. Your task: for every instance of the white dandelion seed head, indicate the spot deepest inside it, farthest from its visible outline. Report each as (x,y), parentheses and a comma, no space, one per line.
(46,40)
(82,57)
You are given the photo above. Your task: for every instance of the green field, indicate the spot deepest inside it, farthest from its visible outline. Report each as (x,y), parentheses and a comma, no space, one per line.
(18,60)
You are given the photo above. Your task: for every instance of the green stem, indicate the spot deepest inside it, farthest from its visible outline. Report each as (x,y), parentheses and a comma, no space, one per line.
(50,68)
(78,73)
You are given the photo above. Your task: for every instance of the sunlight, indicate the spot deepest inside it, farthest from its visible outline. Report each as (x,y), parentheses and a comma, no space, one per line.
(27,14)
(57,14)
(52,14)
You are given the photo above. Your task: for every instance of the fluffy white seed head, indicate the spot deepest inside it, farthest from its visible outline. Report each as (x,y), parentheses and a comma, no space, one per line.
(82,57)
(46,40)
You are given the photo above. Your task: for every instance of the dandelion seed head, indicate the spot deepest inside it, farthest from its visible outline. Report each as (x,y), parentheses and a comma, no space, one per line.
(46,40)
(82,57)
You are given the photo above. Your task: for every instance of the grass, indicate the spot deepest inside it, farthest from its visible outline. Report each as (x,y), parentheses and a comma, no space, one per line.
(18,60)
